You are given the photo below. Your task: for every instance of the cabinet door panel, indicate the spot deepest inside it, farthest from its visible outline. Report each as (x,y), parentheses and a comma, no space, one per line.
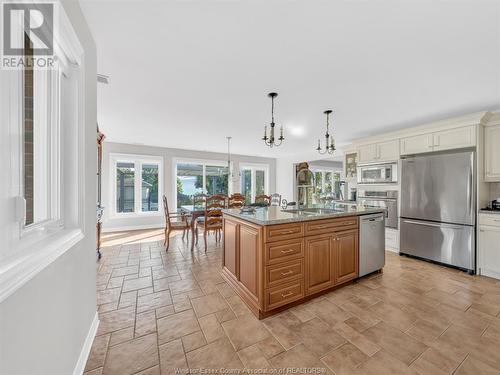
(346,256)
(489,252)
(416,144)
(492,153)
(367,154)
(455,138)
(231,232)
(249,259)
(388,151)
(319,263)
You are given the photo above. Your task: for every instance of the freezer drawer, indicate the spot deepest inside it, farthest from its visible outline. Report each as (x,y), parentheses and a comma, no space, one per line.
(451,244)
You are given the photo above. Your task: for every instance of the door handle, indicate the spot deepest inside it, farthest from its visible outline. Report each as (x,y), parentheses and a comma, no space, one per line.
(432,225)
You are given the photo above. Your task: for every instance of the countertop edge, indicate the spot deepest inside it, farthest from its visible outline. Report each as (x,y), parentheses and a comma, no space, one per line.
(300,219)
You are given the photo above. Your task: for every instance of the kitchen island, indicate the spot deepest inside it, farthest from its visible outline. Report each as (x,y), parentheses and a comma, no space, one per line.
(276,258)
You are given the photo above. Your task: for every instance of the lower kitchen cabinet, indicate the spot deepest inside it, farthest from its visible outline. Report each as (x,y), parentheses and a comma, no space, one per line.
(488,257)
(331,260)
(319,263)
(346,256)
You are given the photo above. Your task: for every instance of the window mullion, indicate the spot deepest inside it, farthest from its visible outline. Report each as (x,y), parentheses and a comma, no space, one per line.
(138,186)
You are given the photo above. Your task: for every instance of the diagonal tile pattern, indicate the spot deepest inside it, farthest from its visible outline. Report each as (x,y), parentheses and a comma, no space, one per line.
(172,313)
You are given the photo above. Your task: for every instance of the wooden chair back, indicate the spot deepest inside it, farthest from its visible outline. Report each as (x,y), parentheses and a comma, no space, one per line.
(265,199)
(166,211)
(213,211)
(236,200)
(199,199)
(275,199)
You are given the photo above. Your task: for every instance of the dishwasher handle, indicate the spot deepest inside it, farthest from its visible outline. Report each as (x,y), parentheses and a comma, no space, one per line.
(373,219)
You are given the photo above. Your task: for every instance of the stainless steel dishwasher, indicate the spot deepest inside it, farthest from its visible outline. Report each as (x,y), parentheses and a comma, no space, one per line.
(371,243)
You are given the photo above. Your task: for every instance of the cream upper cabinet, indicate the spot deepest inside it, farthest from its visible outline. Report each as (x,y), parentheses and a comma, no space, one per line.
(492,153)
(455,138)
(388,151)
(379,152)
(416,144)
(367,153)
(441,140)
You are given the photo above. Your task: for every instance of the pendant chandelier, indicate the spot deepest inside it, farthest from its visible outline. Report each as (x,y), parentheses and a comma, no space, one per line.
(271,141)
(329,141)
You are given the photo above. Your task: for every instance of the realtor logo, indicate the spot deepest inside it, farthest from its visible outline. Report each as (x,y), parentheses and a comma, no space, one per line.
(31,21)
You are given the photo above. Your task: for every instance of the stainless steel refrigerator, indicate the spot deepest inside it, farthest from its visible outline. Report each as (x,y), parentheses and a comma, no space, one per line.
(438,208)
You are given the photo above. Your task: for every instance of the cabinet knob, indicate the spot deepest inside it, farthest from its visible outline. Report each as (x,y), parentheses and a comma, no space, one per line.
(286,273)
(288,294)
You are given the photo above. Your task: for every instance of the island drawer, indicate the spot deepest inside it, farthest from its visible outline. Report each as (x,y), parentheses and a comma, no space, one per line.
(284,272)
(284,294)
(330,225)
(283,231)
(283,251)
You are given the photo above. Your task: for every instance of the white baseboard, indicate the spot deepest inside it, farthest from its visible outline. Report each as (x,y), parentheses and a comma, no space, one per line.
(84,354)
(132,227)
(392,250)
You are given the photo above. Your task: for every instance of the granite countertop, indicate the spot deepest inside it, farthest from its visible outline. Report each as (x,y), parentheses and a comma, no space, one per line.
(276,215)
(490,212)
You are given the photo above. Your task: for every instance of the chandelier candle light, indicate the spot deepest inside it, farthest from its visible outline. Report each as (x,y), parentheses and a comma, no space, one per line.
(330,142)
(271,141)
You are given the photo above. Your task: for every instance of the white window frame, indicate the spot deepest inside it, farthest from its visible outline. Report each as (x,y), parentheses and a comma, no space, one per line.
(204,163)
(138,161)
(27,250)
(253,167)
(323,172)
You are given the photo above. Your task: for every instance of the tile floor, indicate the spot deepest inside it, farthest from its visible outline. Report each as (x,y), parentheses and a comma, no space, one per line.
(161,311)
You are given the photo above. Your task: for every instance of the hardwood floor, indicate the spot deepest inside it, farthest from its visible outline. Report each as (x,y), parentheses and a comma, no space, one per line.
(160,311)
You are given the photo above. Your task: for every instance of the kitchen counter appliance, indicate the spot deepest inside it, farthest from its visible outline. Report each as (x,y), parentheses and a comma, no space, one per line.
(378,173)
(387,199)
(438,208)
(371,243)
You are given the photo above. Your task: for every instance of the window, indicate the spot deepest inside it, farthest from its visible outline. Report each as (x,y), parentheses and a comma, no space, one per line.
(125,187)
(43,108)
(196,177)
(137,184)
(44,113)
(150,183)
(253,181)
(324,180)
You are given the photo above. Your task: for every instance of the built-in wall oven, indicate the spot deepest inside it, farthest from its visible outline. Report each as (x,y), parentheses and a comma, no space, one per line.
(378,173)
(387,199)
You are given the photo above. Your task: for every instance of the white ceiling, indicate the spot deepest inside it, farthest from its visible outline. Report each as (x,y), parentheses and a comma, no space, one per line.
(186,74)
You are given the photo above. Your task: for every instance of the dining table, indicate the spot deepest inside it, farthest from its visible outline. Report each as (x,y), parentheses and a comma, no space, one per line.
(194,212)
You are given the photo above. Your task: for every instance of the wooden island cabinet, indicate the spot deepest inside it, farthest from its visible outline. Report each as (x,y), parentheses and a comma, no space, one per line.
(272,266)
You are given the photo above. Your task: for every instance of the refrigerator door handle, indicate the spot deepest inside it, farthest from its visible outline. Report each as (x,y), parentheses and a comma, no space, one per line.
(425,224)
(469,191)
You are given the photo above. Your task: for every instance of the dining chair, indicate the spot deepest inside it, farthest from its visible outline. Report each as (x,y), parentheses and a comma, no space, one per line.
(199,199)
(275,199)
(236,200)
(172,223)
(212,221)
(263,199)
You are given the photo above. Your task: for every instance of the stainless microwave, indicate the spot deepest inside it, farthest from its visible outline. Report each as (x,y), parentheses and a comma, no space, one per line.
(378,173)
